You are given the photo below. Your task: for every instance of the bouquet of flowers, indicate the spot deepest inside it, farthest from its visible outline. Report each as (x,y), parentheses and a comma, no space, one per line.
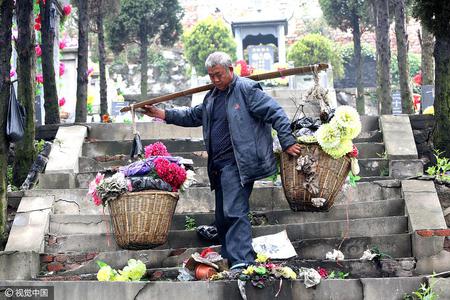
(157,171)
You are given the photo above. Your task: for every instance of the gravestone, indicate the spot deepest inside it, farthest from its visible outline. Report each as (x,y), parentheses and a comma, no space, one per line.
(117,106)
(261,57)
(427,96)
(396,103)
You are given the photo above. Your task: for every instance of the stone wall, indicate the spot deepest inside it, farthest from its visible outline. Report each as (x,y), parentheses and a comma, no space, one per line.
(422,126)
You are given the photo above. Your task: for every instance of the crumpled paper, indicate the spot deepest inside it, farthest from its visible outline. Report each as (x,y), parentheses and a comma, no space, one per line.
(368,255)
(335,255)
(309,276)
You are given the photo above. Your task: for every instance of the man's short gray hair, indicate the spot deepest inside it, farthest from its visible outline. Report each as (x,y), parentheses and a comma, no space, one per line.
(218,58)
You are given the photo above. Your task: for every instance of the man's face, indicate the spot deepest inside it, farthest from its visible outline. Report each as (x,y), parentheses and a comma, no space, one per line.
(220,76)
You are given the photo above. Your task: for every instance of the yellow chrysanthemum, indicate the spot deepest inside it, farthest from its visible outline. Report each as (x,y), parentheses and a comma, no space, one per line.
(261,258)
(135,270)
(249,271)
(288,273)
(340,150)
(328,136)
(307,139)
(105,273)
(120,278)
(347,120)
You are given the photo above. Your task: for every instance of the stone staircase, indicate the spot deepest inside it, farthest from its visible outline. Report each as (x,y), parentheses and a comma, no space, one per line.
(60,233)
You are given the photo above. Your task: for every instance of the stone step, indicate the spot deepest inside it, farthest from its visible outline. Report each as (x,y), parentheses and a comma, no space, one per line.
(201,199)
(78,224)
(374,136)
(101,148)
(373,167)
(370,150)
(348,289)
(184,238)
(355,268)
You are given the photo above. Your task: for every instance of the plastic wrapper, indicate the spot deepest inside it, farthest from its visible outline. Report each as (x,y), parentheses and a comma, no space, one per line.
(149,183)
(15,123)
(208,233)
(137,150)
(143,167)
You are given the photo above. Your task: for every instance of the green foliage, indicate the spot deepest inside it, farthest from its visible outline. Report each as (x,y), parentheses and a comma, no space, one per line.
(207,36)
(414,67)
(313,49)
(145,19)
(423,293)
(190,223)
(441,169)
(435,15)
(338,275)
(39,146)
(342,13)
(10,178)
(367,52)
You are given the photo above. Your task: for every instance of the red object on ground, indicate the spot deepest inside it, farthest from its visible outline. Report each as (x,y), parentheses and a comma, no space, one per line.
(206,251)
(203,272)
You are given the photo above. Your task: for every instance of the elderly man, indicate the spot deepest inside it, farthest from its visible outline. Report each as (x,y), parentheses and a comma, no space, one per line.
(237,117)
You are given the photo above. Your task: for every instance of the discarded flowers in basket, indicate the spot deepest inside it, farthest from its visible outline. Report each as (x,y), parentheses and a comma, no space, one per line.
(142,197)
(312,181)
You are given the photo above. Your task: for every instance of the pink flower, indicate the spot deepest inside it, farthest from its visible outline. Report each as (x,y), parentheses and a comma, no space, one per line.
(37,26)
(97,199)
(67,9)
(62,101)
(62,69)
(89,71)
(98,178)
(12,73)
(39,78)
(38,50)
(156,149)
(129,186)
(62,44)
(323,272)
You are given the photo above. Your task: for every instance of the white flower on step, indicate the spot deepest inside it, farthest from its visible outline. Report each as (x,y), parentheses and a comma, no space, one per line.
(190,180)
(368,255)
(318,202)
(335,255)
(310,277)
(354,165)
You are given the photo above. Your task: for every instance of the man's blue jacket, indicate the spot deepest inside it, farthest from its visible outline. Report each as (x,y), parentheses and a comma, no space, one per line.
(251,113)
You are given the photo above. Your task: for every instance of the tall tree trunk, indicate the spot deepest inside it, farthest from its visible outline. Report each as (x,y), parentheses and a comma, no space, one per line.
(360,105)
(48,66)
(26,61)
(6,14)
(427,57)
(402,56)
(383,56)
(82,76)
(144,61)
(102,64)
(442,100)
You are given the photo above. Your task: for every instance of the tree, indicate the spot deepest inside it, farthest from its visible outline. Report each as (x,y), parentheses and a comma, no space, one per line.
(435,16)
(381,16)
(26,64)
(145,22)
(98,11)
(313,49)
(48,29)
(82,68)
(6,14)
(402,55)
(427,45)
(205,37)
(350,14)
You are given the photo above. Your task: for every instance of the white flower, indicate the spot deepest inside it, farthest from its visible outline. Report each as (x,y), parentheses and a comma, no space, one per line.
(347,120)
(335,255)
(340,150)
(190,179)
(318,202)
(354,165)
(328,136)
(368,255)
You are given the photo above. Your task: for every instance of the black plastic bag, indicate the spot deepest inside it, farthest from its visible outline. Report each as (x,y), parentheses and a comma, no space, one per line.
(208,232)
(137,150)
(15,126)
(148,183)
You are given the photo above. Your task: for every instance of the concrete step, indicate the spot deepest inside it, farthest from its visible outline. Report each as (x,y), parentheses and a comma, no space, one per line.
(183,238)
(355,268)
(101,148)
(370,150)
(374,136)
(373,167)
(395,245)
(348,289)
(94,224)
(201,199)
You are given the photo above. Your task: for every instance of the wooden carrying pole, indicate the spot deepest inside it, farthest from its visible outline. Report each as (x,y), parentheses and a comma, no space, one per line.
(258,77)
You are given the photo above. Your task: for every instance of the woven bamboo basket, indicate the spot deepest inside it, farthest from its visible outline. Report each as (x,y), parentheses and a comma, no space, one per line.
(142,220)
(331,176)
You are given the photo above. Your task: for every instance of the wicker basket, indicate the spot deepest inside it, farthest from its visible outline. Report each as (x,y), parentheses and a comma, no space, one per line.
(331,176)
(142,220)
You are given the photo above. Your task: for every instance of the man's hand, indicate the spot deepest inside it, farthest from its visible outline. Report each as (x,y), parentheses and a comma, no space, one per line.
(155,112)
(293,150)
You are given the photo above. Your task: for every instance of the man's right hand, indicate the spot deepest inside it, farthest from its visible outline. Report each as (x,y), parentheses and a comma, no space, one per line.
(155,112)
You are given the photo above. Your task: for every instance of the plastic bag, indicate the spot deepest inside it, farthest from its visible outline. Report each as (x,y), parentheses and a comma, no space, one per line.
(15,127)
(137,149)
(148,183)
(208,233)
